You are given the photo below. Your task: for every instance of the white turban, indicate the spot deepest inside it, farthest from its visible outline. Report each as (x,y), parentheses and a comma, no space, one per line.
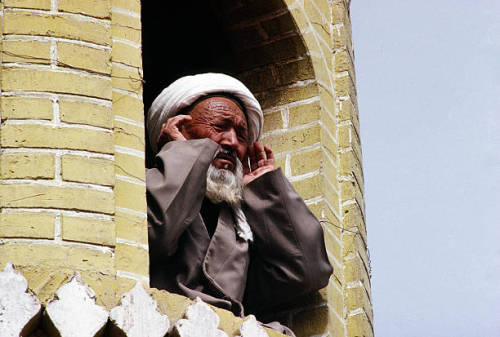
(186,90)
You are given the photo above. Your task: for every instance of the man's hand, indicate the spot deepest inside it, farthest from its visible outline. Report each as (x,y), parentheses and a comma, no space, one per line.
(171,130)
(261,161)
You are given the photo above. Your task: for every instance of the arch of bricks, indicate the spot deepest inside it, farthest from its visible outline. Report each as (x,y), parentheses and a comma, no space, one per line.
(72,143)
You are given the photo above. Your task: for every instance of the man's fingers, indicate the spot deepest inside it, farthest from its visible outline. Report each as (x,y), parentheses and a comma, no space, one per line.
(259,153)
(269,153)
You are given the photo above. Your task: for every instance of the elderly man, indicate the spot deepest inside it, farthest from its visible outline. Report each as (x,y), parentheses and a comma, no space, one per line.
(224,224)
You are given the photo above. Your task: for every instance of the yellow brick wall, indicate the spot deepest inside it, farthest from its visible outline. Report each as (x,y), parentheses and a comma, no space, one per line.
(72,142)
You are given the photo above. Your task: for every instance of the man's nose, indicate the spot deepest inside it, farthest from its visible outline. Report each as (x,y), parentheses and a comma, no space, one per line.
(229,138)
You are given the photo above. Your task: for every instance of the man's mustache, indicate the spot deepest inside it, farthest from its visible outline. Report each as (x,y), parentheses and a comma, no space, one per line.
(228,154)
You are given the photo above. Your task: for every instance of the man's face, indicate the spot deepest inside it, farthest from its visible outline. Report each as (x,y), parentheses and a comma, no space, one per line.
(223,121)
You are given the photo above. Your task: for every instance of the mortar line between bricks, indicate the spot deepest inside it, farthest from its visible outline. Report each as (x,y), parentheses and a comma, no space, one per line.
(133,276)
(54,6)
(122,241)
(314,200)
(131,212)
(127,93)
(292,104)
(22,37)
(77,214)
(127,42)
(129,151)
(304,176)
(329,157)
(62,184)
(49,95)
(56,69)
(331,233)
(81,17)
(334,259)
(292,129)
(123,11)
(129,121)
(325,128)
(63,243)
(134,181)
(336,314)
(57,228)
(55,124)
(58,151)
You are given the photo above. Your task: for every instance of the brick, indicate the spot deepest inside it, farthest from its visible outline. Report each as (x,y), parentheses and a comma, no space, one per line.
(357,297)
(339,12)
(336,326)
(126,79)
(126,33)
(96,8)
(354,244)
(26,51)
(359,326)
(27,225)
(128,107)
(304,113)
(42,136)
(329,170)
(56,26)
(279,50)
(272,121)
(283,96)
(129,195)
(42,196)
(128,135)
(131,227)
(125,20)
(132,259)
(350,164)
(295,71)
(280,162)
(332,243)
(350,190)
(344,62)
(131,5)
(354,270)
(311,322)
(127,54)
(78,112)
(303,162)
(329,123)
(84,57)
(88,230)
(280,25)
(27,166)
(331,195)
(293,140)
(335,298)
(344,136)
(344,86)
(88,170)
(347,111)
(56,256)
(34,4)
(308,188)
(353,219)
(259,80)
(26,108)
(314,15)
(130,166)
(56,81)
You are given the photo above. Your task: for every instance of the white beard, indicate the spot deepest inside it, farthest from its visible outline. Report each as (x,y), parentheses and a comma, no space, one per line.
(224,185)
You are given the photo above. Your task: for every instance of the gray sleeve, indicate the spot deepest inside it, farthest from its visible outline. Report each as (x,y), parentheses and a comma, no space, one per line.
(175,187)
(289,256)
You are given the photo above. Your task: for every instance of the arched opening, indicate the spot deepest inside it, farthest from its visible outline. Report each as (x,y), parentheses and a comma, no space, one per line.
(257,42)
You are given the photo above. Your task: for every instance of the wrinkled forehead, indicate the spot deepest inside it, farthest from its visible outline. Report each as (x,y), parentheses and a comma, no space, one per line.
(209,105)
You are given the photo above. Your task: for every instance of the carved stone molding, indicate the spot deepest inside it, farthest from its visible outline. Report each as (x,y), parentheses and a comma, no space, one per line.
(19,309)
(73,311)
(200,321)
(137,316)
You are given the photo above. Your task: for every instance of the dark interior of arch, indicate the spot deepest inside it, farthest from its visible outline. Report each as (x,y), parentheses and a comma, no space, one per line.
(188,37)
(181,38)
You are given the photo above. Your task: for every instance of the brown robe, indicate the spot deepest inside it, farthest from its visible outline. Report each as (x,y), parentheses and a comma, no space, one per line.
(286,259)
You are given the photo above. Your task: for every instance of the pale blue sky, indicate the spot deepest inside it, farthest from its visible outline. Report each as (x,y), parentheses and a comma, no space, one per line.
(428,79)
